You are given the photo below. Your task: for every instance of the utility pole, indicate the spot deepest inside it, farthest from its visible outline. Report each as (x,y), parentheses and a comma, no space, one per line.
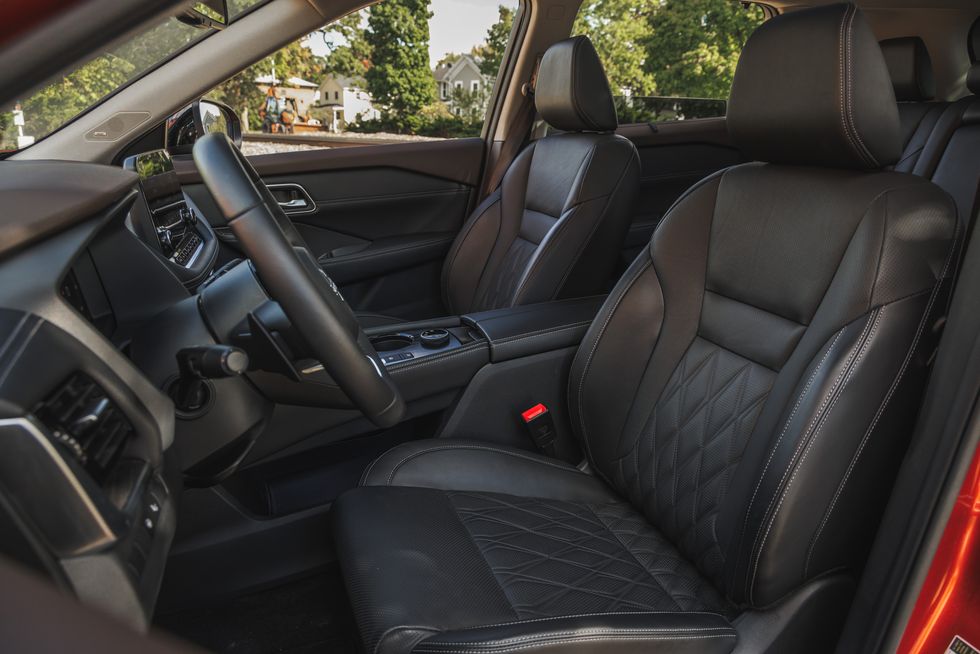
(22,141)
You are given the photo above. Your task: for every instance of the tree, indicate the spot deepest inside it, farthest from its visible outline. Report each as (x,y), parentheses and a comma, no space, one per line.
(57,103)
(399,78)
(620,30)
(353,57)
(491,53)
(694,45)
(470,106)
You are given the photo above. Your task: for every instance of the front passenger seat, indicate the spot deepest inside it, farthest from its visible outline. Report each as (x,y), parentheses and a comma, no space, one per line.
(744,398)
(554,227)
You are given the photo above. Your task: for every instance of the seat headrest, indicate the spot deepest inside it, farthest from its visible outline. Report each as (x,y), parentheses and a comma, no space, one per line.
(910,66)
(812,88)
(572,93)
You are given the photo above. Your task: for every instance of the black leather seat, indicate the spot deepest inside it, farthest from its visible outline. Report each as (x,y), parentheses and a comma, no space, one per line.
(955,143)
(743,398)
(555,226)
(910,67)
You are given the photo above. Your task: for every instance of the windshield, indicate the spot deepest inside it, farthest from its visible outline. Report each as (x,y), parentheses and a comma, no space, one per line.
(79,89)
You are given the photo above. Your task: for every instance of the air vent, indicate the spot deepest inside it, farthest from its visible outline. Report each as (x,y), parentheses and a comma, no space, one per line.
(84,421)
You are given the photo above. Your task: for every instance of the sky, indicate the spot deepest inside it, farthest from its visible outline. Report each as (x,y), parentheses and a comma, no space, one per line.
(456,26)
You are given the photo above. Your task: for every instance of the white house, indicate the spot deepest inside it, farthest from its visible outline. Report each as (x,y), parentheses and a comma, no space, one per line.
(463,73)
(348,101)
(304,93)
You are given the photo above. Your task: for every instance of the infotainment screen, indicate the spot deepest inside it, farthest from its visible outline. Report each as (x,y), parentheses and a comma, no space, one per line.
(156,173)
(170,219)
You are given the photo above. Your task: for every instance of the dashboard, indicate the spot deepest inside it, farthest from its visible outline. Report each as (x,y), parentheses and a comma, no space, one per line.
(90,258)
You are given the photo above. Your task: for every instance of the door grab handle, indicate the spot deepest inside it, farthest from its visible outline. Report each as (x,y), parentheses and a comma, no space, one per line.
(292,198)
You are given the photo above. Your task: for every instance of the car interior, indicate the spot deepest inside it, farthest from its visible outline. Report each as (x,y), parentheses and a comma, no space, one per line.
(704,385)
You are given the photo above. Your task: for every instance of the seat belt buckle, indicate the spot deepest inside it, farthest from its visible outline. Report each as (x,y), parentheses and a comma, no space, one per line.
(541,428)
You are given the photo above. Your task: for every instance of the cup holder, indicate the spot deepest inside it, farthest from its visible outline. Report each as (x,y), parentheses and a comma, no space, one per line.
(391,342)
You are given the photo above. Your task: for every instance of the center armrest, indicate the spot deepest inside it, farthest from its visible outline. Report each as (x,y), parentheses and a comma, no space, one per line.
(534,328)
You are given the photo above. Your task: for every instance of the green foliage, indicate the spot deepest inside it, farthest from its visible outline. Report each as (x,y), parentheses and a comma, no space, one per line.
(435,121)
(59,102)
(491,53)
(350,59)
(683,48)
(470,106)
(694,45)
(620,30)
(399,79)
(56,104)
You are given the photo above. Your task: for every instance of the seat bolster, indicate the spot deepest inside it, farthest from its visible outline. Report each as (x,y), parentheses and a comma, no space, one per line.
(459,465)
(664,633)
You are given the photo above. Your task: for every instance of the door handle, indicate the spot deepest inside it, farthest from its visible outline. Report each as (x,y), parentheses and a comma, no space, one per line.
(292,198)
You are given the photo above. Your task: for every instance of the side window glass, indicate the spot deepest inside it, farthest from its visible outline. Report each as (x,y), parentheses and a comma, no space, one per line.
(669,60)
(399,70)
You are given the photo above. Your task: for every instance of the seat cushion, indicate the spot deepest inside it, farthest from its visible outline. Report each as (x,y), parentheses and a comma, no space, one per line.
(423,565)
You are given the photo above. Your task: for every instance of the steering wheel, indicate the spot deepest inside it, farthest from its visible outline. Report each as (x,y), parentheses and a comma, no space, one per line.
(292,277)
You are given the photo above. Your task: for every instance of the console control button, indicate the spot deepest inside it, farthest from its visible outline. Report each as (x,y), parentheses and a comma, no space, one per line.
(434,338)
(395,358)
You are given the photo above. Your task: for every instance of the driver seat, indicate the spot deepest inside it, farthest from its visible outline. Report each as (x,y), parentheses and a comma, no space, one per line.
(744,398)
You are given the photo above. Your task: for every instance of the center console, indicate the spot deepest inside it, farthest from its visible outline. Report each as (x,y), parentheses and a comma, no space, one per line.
(168,221)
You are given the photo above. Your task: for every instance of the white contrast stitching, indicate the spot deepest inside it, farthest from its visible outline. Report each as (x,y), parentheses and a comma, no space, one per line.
(851,368)
(589,615)
(466,349)
(595,631)
(818,415)
(884,404)
(789,420)
(424,649)
(542,332)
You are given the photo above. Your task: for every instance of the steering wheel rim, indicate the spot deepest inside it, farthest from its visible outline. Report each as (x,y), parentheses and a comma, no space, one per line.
(292,278)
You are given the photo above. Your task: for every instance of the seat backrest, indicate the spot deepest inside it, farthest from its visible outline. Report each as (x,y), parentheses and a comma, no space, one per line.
(555,226)
(749,384)
(910,67)
(955,144)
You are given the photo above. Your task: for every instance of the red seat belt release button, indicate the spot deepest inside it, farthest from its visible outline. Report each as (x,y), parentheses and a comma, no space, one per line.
(541,428)
(534,412)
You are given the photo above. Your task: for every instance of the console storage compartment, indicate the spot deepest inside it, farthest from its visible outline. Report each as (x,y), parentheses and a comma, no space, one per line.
(535,328)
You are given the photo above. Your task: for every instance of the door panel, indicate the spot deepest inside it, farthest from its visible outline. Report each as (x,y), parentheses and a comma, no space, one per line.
(673,157)
(383,217)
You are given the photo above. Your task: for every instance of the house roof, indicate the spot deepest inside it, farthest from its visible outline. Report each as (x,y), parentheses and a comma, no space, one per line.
(449,73)
(344,82)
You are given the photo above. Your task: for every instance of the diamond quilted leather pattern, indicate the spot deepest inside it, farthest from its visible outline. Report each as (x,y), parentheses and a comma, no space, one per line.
(558,558)
(679,468)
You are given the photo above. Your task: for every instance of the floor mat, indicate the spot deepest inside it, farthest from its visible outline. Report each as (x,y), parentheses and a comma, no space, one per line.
(300,617)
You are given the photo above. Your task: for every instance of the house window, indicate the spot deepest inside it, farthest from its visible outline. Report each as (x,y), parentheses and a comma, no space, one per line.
(336,95)
(474,86)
